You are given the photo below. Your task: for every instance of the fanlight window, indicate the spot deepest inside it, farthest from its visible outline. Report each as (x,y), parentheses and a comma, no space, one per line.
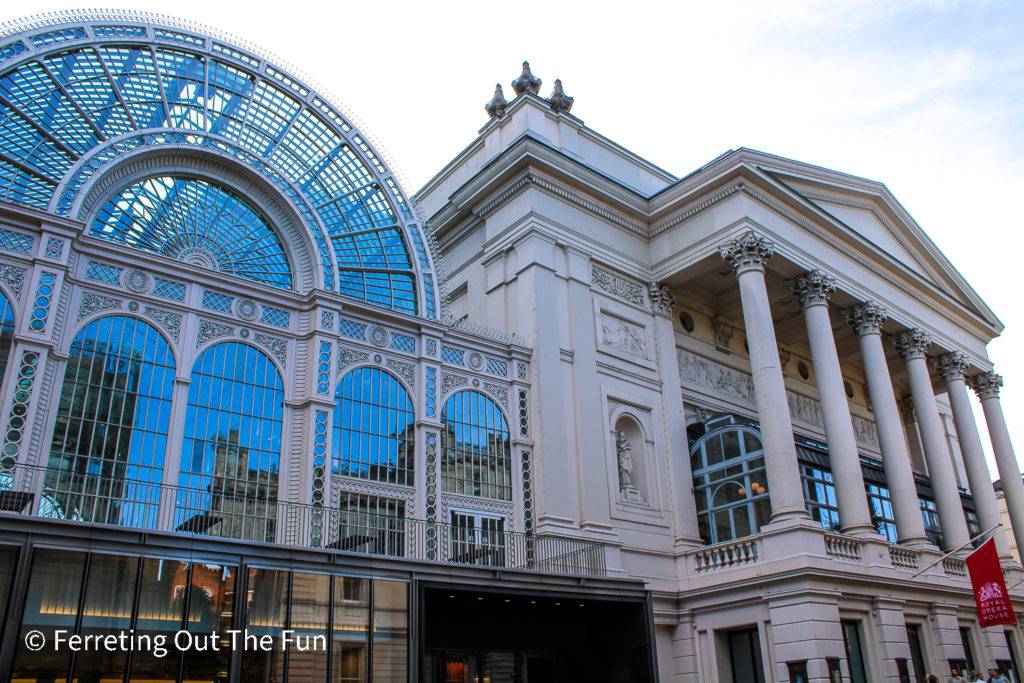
(475,447)
(232,445)
(197,222)
(60,110)
(108,447)
(374,428)
(729,483)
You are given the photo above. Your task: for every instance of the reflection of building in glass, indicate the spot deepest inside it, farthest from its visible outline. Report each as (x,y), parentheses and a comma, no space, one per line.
(236,394)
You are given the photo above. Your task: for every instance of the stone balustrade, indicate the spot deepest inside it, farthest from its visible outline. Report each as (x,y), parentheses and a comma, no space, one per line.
(725,555)
(844,547)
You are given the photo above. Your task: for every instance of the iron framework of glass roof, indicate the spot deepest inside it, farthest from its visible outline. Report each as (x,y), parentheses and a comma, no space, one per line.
(78,96)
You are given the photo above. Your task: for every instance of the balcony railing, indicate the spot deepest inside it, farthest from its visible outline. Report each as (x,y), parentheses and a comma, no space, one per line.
(249,510)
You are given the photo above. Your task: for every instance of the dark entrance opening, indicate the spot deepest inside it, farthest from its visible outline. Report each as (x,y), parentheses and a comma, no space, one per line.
(472,636)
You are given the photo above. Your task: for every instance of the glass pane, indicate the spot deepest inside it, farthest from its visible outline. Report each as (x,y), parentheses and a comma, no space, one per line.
(109,598)
(266,612)
(51,603)
(390,631)
(8,566)
(161,610)
(211,604)
(311,605)
(351,629)
(730,445)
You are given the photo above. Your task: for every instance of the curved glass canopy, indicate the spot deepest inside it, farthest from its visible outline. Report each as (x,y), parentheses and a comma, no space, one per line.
(76,96)
(197,222)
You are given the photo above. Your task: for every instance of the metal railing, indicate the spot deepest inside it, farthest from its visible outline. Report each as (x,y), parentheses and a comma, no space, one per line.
(249,510)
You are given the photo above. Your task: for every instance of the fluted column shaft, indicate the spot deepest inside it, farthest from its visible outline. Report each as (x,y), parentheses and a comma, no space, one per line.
(953,368)
(987,387)
(913,345)
(748,255)
(814,290)
(866,321)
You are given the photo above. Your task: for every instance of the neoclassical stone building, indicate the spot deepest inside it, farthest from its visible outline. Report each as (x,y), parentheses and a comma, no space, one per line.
(560,416)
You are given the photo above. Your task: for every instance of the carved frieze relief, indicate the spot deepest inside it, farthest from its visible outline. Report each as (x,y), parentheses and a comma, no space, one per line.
(630,291)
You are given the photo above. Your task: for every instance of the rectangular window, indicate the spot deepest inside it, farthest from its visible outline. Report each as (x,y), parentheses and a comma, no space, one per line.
(882,516)
(854,652)
(930,514)
(370,524)
(965,638)
(477,539)
(211,604)
(820,496)
(916,649)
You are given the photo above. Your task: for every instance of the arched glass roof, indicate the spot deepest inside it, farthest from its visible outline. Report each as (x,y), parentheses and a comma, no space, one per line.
(77,95)
(196,222)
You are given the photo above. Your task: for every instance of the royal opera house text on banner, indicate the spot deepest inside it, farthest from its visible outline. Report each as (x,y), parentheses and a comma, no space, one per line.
(989,588)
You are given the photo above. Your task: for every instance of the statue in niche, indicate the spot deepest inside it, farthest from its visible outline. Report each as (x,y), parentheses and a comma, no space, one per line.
(625,457)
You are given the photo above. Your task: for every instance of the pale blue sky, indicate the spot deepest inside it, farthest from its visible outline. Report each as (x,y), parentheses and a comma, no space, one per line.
(925,96)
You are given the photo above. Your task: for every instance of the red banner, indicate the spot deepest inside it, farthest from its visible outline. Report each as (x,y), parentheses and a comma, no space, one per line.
(989,588)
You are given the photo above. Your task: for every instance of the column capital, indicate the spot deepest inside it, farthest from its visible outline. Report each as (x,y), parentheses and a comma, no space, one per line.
(867,318)
(663,299)
(987,385)
(747,252)
(953,366)
(813,287)
(912,343)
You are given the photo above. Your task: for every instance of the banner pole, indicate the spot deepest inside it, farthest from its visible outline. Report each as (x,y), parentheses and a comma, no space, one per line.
(955,550)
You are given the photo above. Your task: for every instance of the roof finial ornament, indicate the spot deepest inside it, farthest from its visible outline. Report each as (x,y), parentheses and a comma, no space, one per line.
(496,107)
(558,100)
(526,81)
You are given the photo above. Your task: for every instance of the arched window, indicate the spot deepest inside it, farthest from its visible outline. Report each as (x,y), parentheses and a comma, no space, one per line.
(197,222)
(6,332)
(476,448)
(232,445)
(729,483)
(374,428)
(107,454)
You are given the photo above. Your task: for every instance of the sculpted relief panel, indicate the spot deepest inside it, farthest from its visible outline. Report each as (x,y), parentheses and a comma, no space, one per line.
(738,386)
(623,336)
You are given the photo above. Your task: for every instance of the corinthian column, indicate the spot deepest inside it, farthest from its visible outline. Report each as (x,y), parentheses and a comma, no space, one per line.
(748,254)
(953,368)
(866,321)
(913,345)
(814,290)
(987,387)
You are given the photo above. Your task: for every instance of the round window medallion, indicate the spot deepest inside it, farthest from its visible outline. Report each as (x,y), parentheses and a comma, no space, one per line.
(246,309)
(801,367)
(136,280)
(686,320)
(243,333)
(133,306)
(377,359)
(378,336)
(476,382)
(476,361)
